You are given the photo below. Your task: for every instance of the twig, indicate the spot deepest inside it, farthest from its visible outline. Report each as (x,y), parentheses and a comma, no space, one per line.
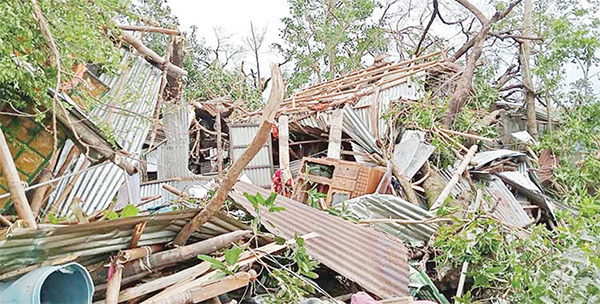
(455,178)
(43,24)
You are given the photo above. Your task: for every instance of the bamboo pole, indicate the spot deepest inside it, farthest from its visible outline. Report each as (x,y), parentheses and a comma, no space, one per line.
(455,178)
(467,135)
(40,193)
(167,258)
(236,169)
(284,149)
(219,142)
(7,165)
(65,194)
(335,134)
(114,284)
(149,29)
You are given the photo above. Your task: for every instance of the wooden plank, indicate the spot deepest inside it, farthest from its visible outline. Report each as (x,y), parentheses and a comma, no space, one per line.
(284,148)
(335,134)
(375,113)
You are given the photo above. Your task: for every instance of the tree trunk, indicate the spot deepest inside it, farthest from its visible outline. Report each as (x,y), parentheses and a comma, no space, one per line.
(527,81)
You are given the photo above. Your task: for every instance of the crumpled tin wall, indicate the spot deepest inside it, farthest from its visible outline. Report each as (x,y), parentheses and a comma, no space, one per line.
(374,260)
(259,170)
(388,206)
(135,90)
(508,209)
(483,158)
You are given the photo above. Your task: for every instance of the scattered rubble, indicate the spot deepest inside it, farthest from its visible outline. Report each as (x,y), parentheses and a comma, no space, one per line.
(360,191)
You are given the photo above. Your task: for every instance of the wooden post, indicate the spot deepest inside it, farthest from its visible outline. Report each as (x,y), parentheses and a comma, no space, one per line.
(219,142)
(284,148)
(335,134)
(47,174)
(7,165)
(455,178)
(263,134)
(114,284)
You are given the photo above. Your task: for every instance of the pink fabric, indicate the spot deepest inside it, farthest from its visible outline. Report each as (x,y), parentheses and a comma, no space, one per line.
(362,298)
(424,302)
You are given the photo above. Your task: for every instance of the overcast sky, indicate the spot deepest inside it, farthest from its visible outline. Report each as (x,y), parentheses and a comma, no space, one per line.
(233,17)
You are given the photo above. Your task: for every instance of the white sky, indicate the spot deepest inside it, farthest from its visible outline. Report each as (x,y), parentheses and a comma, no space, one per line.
(233,17)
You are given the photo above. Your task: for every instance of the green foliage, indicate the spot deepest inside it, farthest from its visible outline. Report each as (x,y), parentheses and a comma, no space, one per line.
(128,211)
(326,38)
(227,266)
(546,267)
(82,31)
(314,197)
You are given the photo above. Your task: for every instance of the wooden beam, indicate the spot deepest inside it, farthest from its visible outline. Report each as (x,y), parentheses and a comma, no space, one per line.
(219,143)
(17,193)
(284,148)
(335,134)
(150,29)
(455,178)
(263,134)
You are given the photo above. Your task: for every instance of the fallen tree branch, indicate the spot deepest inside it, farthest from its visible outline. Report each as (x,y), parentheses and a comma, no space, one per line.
(150,29)
(236,169)
(151,55)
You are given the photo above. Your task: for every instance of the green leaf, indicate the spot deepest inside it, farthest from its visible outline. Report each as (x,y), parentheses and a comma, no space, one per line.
(215,264)
(299,241)
(276,209)
(129,211)
(52,218)
(233,255)
(279,240)
(112,215)
(271,199)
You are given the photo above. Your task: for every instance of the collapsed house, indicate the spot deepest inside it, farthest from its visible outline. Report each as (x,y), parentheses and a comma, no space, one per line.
(335,147)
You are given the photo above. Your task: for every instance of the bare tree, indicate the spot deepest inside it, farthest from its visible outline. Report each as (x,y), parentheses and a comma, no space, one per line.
(255,42)
(225,50)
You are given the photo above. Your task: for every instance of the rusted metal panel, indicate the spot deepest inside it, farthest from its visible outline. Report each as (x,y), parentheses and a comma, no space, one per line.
(374,260)
(260,168)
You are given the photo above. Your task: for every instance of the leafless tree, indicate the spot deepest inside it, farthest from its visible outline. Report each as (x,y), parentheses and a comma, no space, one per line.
(255,42)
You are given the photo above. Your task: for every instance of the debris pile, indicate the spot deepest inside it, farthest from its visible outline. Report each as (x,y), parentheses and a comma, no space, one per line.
(347,173)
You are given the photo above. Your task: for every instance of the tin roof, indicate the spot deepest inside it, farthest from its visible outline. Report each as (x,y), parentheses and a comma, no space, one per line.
(133,90)
(388,206)
(374,260)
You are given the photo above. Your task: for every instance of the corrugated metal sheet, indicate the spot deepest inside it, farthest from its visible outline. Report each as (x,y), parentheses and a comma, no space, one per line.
(374,260)
(411,154)
(260,168)
(504,205)
(388,206)
(483,158)
(355,128)
(154,189)
(26,246)
(173,155)
(134,90)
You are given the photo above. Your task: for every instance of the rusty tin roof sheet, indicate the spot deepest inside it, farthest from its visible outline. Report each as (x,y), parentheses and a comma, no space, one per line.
(372,259)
